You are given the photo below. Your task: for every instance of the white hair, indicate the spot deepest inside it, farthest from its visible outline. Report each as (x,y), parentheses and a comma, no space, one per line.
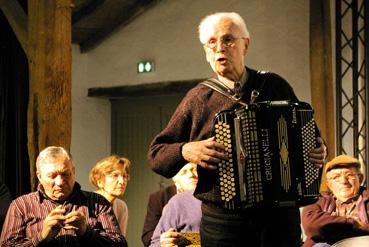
(52,153)
(209,21)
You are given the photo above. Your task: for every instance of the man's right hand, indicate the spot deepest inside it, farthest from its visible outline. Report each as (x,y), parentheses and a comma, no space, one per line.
(53,223)
(167,239)
(206,153)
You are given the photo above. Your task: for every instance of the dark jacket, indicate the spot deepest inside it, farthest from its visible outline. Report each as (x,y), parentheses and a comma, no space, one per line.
(321,226)
(155,206)
(5,200)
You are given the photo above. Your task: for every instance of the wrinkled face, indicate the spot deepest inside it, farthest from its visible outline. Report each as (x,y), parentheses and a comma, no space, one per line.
(344,182)
(114,183)
(57,178)
(226,60)
(186,178)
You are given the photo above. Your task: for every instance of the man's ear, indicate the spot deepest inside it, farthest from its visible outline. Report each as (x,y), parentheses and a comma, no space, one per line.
(38,175)
(361,178)
(207,56)
(327,184)
(246,48)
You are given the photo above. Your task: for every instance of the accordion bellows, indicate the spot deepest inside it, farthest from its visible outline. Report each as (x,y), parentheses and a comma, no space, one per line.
(268,145)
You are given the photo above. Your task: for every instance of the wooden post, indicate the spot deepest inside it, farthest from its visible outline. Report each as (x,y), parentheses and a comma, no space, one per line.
(49,55)
(322,94)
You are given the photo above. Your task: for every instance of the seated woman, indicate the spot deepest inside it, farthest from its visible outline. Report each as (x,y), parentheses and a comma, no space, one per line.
(110,176)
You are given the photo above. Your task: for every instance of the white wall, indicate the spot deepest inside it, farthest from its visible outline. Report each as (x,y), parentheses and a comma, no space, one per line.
(167,34)
(90,122)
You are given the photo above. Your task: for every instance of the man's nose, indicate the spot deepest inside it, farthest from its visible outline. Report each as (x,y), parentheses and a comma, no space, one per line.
(59,180)
(120,179)
(343,179)
(219,45)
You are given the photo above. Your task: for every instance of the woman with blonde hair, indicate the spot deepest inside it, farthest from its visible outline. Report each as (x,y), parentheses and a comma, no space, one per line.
(110,176)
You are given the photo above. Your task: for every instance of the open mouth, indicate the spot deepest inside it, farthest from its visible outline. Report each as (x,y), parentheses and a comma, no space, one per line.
(221,60)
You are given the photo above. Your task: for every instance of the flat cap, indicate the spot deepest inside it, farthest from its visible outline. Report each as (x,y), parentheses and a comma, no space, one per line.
(342,161)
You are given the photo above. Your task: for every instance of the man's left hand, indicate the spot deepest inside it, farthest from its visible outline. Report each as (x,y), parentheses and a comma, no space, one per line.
(77,221)
(317,155)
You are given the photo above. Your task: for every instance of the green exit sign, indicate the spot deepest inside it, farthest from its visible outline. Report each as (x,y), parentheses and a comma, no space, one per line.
(145,66)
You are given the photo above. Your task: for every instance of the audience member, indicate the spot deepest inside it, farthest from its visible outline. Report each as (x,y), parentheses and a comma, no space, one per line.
(181,214)
(59,213)
(343,211)
(184,180)
(110,176)
(5,200)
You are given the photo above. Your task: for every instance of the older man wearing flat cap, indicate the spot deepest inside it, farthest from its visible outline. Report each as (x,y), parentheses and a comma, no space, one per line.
(341,212)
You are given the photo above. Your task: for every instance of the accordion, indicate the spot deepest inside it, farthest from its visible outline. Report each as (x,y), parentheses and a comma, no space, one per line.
(268,145)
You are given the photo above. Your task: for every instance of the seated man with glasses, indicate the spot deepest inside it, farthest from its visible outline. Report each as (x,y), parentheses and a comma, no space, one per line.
(343,211)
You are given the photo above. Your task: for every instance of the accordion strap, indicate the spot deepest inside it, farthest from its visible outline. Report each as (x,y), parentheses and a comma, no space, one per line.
(217,86)
(255,93)
(221,88)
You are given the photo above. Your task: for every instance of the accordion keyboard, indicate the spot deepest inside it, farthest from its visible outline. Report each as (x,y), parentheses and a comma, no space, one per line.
(312,184)
(250,143)
(226,168)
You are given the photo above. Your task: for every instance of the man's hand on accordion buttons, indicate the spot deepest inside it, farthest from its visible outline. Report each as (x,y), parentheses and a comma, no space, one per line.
(206,153)
(317,155)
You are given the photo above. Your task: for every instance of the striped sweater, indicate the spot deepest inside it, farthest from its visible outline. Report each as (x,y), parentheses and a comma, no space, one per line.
(24,221)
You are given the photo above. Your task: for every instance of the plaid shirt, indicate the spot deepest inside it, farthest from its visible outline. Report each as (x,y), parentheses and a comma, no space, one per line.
(24,220)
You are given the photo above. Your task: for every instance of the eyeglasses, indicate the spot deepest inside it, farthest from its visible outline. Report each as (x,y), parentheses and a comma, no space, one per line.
(226,40)
(117,175)
(348,176)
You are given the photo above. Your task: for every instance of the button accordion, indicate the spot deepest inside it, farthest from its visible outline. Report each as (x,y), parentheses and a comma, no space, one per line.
(268,145)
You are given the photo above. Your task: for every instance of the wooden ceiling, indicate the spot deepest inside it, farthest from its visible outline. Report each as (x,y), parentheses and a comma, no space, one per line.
(94,20)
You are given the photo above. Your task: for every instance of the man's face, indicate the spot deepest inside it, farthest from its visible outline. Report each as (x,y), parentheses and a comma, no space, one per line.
(114,183)
(57,178)
(344,182)
(186,178)
(226,61)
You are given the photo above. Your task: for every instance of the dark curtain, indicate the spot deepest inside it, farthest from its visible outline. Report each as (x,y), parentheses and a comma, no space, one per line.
(14,163)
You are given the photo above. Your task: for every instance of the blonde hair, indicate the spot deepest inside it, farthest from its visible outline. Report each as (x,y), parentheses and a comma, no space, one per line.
(52,153)
(108,165)
(210,20)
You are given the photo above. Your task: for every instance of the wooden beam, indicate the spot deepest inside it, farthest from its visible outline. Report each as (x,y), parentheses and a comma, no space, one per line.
(17,19)
(50,57)
(321,74)
(86,9)
(129,11)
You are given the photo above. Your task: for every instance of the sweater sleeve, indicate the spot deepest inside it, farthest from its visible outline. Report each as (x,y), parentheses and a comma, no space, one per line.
(165,151)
